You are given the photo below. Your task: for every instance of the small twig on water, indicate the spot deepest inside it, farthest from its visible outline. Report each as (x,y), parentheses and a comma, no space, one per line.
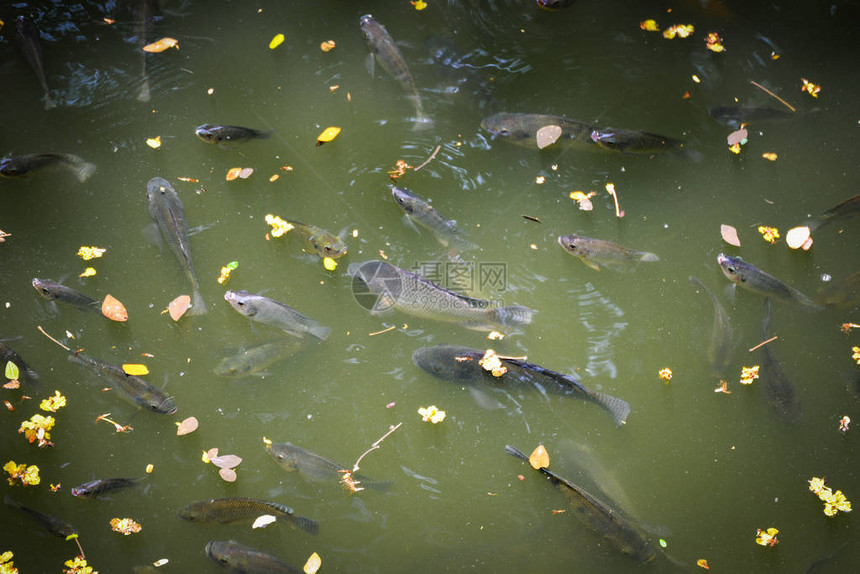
(429,159)
(391,328)
(375,445)
(763,343)
(347,479)
(610,188)
(53,339)
(531,218)
(759,86)
(78,542)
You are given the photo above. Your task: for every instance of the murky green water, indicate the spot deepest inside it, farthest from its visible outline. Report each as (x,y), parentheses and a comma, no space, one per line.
(703,470)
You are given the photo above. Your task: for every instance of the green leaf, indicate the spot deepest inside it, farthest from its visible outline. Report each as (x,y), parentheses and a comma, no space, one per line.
(11,371)
(71,537)
(232,265)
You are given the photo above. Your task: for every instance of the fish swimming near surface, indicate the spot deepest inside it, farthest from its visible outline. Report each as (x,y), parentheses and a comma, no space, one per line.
(56,526)
(22,165)
(317,240)
(634,141)
(379,287)
(101,487)
(25,371)
(722,343)
(54,291)
(841,293)
(383,50)
(223,510)
(421,212)
(167,210)
(596,515)
(241,559)
(131,387)
(597,252)
(462,365)
(736,115)
(268,311)
(228,134)
(315,467)
(28,35)
(754,279)
(522,129)
(848,208)
(254,360)
(778,387)
(144,11)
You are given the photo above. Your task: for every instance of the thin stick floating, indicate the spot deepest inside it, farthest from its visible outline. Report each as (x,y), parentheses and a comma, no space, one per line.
(763,343)
(429,159)
(759,86)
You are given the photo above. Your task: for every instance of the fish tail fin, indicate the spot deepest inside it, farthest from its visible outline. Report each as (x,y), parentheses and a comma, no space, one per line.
(321,332)
(515,452)
(198,306)
(514,315)
(618,408)
(83,170)
(11,501)
(308,525)
(144,94)
(648,257)
(49,103)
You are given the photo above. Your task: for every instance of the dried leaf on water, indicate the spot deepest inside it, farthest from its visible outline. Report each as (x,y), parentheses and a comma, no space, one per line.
(539,458)
(187,426)
(113,309)
(799,238)
(547,135)
(327,46)
(327,135)
(125,526)
(313,564)
(730,235)
(233,173)
(178,307)
(225,461)
(154,143)
(228,474)
(135,369)
(162,45)
(276,41)
(246,172)
(738,137)
(263,521)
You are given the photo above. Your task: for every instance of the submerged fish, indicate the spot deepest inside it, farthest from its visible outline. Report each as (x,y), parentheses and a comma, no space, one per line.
(444,230)
(56,292)
(228,134)
(522,129)
(254,360)
(23,164)
(722,342)
(315,467)
(735,115)
(28,35)
(462,365)
(848,208)
(318,240)
(634,141)
(241,559)
(554,4)
(166,208)
(621,534)
(379,286)
(223,510)
(56,526)
(131,387)
(780,391)
(382,48)
(270,312)
(25,371)
(597,252)
(101,486)
(143,14)
(754,279)
(842,293)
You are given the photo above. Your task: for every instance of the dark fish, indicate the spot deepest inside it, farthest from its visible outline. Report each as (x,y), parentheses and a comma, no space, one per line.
(56,526)
(754,279)
(131,387)
(318,240)
(56,292)
(597,252)
(382,47)
(102,486)
(621,534)
(848,208)
(23,164)
(28,35)
(144,11)
(634,141)
(722,342)
(522,129)
(735,115)
(223,510)
(444,230)
(253,360)
(379,286)
(241,559)
(843,293)
(25,371)
(780,391)
(270,312)
(166,208)
(228,134)
(555,4)
(462,365)
(314,467)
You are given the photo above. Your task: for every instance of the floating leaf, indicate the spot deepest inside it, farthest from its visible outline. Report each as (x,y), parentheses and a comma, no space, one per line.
(88,272)
(329,263)
(113,309)
(225,461)
(313,564)
(228,474)
(161,562)
(730,235)
(276,41)
(431,414)
(125,525)
(714,43)
(87,253)
(769,234)
(799,237)
(679,30)
(187,426)
(539,458)
(810,88)
(135,369)
(12,372)
(154,143)
(419,5)
(738,137)
(162,45)
(327,46)
(327,135)
(246,172)
(583,199)
(770,156)
(547,135)
(178,307)
(665,374)
(649,26)
(233,173)
(263,521)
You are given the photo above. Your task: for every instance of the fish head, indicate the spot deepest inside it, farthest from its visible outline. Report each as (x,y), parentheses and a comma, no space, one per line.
(552,5)
(368,26)
(161,404)
(732,267)
(284,454)
(241,301)
(207,133)
(446,362)
(506,126)
(158,186)
(221,551)
(404,198)
(43,288)
(328,245)
(11,168)
(191,512)
(574,244)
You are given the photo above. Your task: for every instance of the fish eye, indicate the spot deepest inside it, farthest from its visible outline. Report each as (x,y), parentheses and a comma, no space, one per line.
(153,407)
(240,303)
(504,132)
(45,290)
(279,456)
(731,269)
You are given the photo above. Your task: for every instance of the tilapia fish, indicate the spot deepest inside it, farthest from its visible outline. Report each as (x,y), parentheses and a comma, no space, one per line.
(228,134)
(241,559)
(722,343)
(754,279)
(167,210)
(462,365)
(21,165)
(842,293)
(848,208)
(56,526)
(315,467)
(254,360)
(379,287)
(133,388)
(778,387)
(596,515)
(223,510)
(634,141)
(103,486)
(421,212)
(523,128)
(597,252)
(56,292)
(268,311)
(28,35)
(382,47)
(736,115)
(317,240)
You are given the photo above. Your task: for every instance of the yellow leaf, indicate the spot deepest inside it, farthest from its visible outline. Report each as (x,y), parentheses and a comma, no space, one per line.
(419,4)
(154,143)
(769,156)
(113,309)
(327,135)
(276,41)
(233,173)
(649,26)
(539,458)
(135,369)
(162,45)
(87,253)
(149,468)
(313,564)
(327,46)
(88,272)
(329,263)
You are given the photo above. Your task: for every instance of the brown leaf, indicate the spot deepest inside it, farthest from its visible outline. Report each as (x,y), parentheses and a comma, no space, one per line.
(233,173)
(737,137)
(13,384)
(799,237)
(228,474)
(162,45)
(187,426)
(547,135)
(226,461)
(113,309)
(539,458)
(178,307)
(730,235)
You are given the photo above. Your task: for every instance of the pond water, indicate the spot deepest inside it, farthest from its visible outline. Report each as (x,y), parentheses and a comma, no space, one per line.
(698,469)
